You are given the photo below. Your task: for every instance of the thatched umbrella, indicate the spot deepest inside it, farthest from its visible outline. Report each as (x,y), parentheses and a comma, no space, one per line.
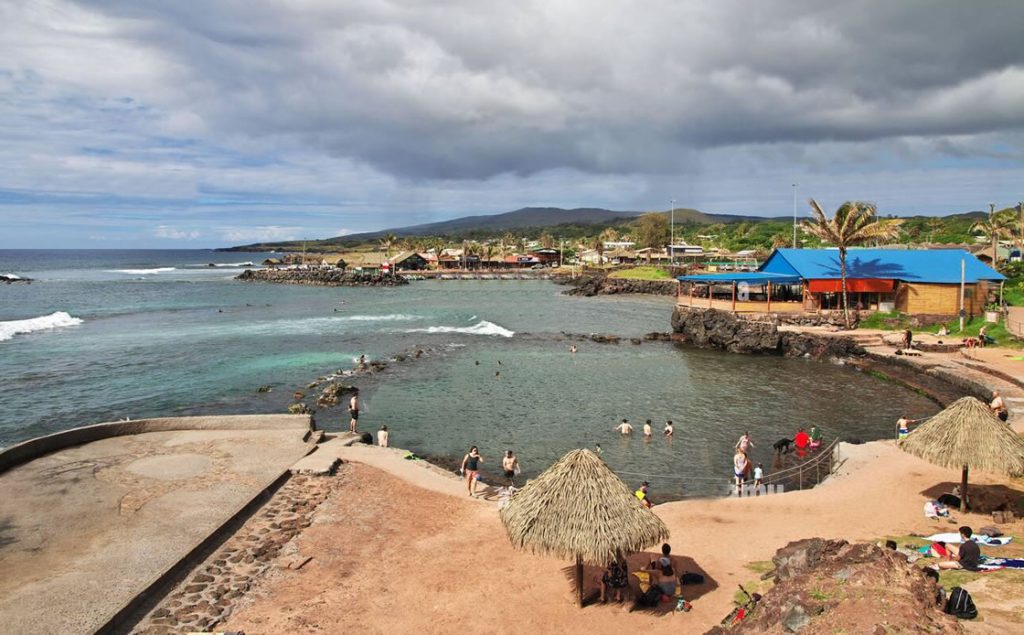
(579,508)
(968,435)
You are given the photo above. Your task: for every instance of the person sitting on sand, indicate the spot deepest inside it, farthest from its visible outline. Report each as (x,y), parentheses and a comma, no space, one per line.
(625,428)
(669,429)
(815,438)
(663,576)
(966,556)
(510,463)
(615,578)
(471,468)
(647,429)
(943,331)
(998,406)
(382,437)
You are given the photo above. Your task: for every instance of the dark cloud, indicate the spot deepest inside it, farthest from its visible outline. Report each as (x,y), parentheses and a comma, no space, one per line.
(468,90)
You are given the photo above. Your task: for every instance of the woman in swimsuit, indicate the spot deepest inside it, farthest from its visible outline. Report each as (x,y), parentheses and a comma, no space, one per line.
(471,468)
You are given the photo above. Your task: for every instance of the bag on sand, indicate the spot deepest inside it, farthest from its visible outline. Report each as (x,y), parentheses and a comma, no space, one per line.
(651,596)
(960,604)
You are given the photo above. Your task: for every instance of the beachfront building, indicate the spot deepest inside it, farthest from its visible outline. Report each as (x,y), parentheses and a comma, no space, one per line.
(408,261)
(912,281)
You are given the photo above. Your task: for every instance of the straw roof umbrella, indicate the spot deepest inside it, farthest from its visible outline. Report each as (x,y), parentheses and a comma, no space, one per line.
(579,508)
(967,435)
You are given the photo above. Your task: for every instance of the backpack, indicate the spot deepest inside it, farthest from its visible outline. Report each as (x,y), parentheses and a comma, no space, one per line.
(960,604)
(651,597)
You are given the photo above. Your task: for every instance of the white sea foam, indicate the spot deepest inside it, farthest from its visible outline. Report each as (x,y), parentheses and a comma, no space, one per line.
(42,323)
(142,272)
(10,276)
(394,317)
(483,327)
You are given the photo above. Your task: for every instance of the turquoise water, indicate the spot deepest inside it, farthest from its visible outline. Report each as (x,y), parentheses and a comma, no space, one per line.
(191,340)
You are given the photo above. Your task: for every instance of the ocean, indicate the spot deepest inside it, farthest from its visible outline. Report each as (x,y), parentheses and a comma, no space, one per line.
(103,335)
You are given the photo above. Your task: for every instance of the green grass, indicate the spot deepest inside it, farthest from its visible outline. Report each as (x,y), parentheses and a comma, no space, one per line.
(892,320)
(642,273)
(895,321)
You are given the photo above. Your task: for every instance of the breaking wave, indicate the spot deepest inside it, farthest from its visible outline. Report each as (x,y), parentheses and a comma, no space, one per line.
(394,317)
(10,276)
(42,323)
(483,327)
(143,272)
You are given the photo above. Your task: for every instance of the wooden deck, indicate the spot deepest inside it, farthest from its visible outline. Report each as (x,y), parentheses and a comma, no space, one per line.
(741,307)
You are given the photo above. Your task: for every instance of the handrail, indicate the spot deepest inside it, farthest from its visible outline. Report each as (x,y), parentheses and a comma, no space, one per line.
(799,469)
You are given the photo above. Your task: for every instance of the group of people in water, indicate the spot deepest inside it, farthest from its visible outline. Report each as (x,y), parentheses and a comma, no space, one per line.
(626,429)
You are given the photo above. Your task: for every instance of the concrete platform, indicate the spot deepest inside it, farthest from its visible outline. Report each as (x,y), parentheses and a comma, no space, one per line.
(85,529)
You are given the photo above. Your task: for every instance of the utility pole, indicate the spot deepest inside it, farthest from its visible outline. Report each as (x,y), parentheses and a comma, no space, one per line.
(794,215)
(963,281)
(995,238)
(1020,210)
(672,234)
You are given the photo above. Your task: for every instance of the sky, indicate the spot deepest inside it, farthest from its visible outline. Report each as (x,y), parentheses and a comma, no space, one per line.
(147,123)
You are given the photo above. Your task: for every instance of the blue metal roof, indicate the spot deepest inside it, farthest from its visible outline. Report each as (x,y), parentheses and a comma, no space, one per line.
(939,266)
(750,277)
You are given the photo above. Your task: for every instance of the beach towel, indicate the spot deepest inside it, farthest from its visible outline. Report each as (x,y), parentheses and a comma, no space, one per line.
(994,564)
(981,539)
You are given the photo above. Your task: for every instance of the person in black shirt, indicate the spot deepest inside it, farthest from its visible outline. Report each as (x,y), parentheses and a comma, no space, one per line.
(615,578)
(966,556)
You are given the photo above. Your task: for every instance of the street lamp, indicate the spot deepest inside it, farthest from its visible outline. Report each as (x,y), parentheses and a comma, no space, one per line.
(672,234)
(794,215)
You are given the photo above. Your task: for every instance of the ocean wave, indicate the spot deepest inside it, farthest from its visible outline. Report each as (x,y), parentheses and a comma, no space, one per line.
(10,276)
(483,327)
(394,317)
(41,323)
(142,272)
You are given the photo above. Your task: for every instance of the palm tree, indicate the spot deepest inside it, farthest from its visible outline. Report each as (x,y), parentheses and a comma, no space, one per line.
(935,225)
(489,251)
(438,245)
(386,242)
(854,223)
(998,225)
(597,243)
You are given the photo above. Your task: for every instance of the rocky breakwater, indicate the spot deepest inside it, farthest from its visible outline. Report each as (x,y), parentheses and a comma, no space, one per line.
(603,285)
(710,328)
(322,277)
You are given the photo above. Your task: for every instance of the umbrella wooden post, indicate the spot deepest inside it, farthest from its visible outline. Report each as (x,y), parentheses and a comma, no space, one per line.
(579,580)
(963,490)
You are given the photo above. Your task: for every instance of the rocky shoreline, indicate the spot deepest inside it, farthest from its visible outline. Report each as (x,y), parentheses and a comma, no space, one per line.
(711,328)
(321,277)
(589,286)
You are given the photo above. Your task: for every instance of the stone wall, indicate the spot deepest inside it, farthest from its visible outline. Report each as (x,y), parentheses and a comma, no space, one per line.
(326,277)
(710,328)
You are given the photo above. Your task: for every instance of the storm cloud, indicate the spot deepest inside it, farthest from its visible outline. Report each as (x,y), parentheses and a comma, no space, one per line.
(356,104)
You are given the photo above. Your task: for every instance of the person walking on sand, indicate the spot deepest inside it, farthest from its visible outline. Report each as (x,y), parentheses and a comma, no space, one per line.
(510,463)
(353,411)
(471,468)
(625,428)
(382,436)
(669,429)
(647,429)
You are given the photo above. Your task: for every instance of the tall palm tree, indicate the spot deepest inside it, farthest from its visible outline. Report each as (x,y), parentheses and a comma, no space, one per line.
(935,225)
(597,243)
(998,225)
(386,242)
(854,223)
(438,245)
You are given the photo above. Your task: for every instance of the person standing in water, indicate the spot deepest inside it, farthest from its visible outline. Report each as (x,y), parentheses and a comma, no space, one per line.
(471,468)
(353,411)
(625,428)
(510,463)
(647,429)
(745,443)
(669,429)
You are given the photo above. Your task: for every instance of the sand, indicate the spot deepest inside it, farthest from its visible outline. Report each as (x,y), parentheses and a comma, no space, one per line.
(403,547)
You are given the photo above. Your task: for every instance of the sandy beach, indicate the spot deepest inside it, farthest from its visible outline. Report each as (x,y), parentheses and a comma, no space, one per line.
(398,546)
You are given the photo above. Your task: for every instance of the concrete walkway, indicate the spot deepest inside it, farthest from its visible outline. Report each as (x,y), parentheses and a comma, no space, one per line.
(83,530)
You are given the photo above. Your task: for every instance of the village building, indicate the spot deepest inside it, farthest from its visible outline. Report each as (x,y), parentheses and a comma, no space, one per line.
(547,255)
(916,282)
(408,261)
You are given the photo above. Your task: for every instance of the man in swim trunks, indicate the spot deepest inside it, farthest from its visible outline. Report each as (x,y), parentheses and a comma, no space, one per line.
(353,410)
(625,428)
(510,463)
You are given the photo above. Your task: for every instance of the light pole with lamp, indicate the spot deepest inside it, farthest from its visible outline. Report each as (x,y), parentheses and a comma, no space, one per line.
(794,215)
(672,233)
